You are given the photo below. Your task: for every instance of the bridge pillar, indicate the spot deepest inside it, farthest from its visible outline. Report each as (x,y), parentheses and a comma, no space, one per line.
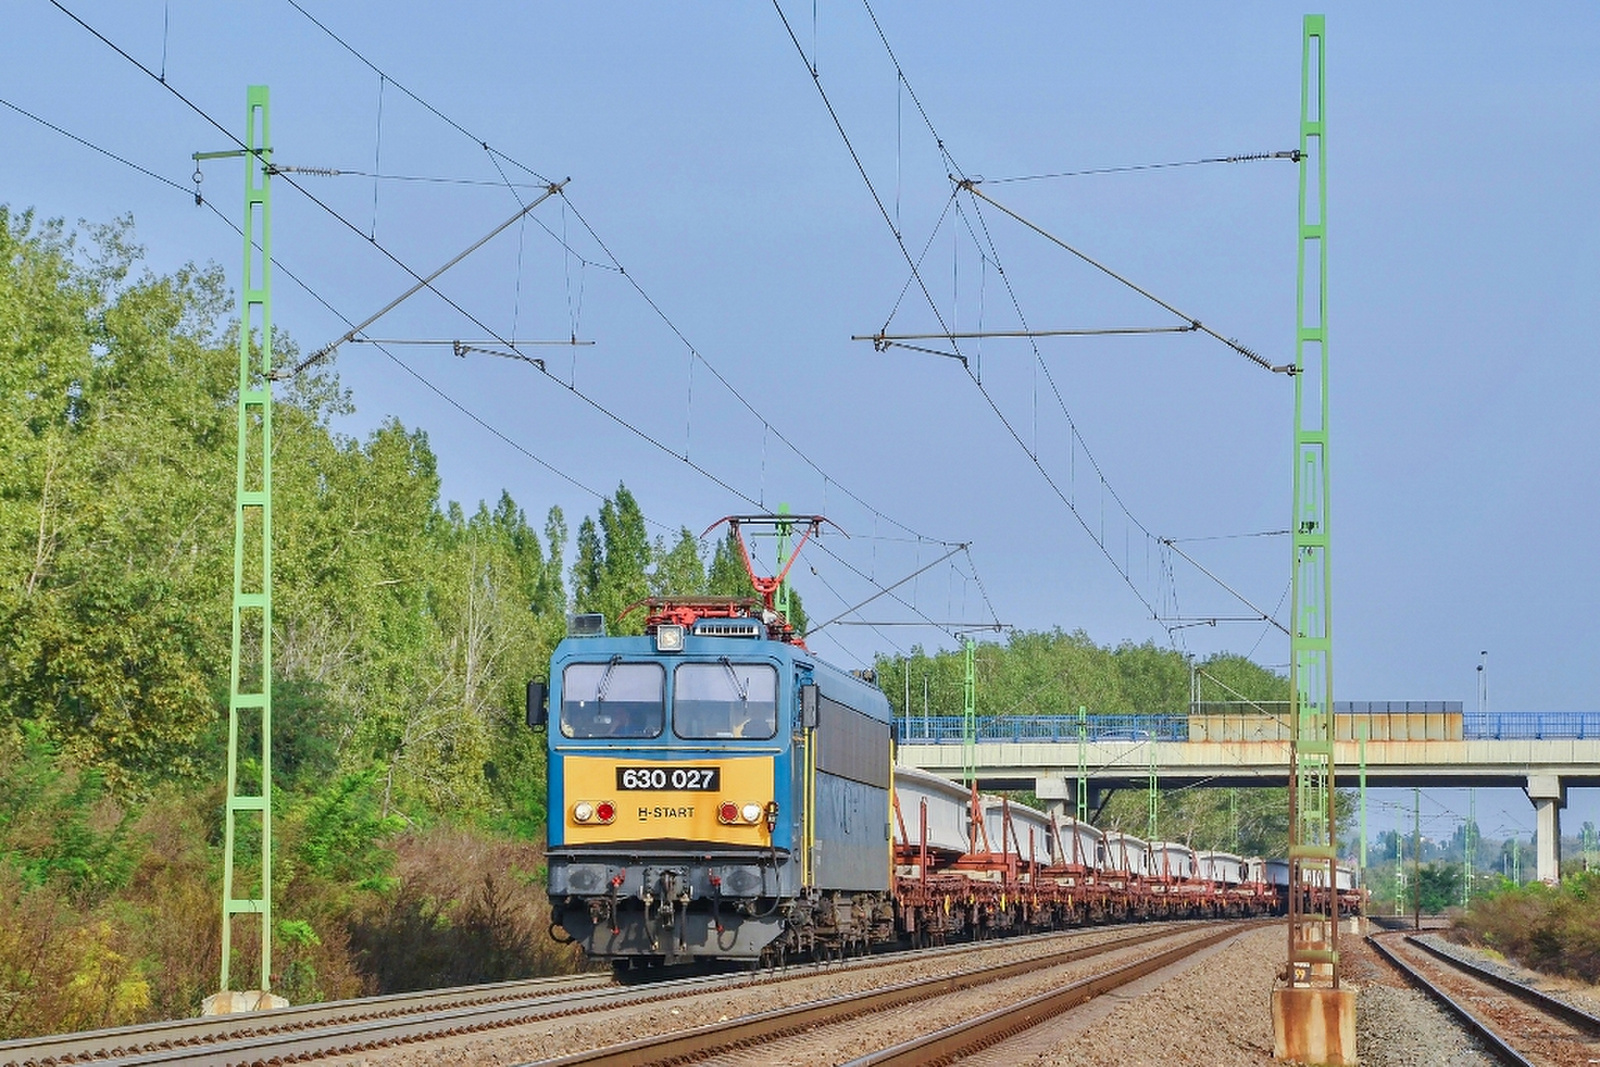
(1549,797)
(1058,795)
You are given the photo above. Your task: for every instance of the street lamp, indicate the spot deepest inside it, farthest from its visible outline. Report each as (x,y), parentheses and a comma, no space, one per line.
(1483,681)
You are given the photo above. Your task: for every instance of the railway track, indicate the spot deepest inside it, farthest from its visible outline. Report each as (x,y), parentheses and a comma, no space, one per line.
(758,1038)
(1406,922)
(125,1044)
(1521,1026)
(356,1026)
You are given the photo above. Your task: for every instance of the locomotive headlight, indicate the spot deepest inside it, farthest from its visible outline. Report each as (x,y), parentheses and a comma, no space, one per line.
(583,811)
(669,637)
(750,812)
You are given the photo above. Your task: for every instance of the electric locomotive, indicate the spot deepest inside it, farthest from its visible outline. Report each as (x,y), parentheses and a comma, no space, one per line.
(717,792)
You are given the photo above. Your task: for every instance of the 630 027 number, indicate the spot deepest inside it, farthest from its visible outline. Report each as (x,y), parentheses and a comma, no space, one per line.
(681,779)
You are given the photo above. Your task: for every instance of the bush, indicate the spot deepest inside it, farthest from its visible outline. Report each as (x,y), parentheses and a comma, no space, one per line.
(1555,929)
(60,970)
(465,908)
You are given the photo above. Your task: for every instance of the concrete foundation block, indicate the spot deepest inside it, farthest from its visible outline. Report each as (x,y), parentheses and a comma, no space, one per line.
(232,1001)
(1314,1026)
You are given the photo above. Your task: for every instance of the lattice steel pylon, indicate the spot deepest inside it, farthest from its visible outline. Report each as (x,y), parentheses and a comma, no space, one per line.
(250,684)
(1313,841)
(1083,764)
(969,714)
(1152,793)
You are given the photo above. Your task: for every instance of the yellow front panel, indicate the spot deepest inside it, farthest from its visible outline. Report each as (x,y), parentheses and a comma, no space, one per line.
(653,814)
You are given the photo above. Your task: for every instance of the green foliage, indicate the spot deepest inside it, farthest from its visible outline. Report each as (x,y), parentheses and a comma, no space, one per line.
(112,496)
(459,912)
(1438,885)
(341,832)
(679,571)
(57,826)
(1054,673)
(405,628)
(614,557)
(727,576)
(297,932)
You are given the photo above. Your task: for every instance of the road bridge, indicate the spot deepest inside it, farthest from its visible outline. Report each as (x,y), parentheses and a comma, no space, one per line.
(1247,746)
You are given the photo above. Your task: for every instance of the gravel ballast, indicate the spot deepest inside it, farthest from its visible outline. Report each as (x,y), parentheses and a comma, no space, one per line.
(1398,1025)
(562,1035)
(1214,1012)
(1578,994)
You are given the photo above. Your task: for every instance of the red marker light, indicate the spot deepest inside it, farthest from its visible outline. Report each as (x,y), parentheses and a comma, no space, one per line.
(605,811)
(729,812)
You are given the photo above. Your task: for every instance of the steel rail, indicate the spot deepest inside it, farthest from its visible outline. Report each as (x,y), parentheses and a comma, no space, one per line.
(1569,1013)
(1496,1043)
(783,1022)
(130,1040)
(965,1038)
(371,1022)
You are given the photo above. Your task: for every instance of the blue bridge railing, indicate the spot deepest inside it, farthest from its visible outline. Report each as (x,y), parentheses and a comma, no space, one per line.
(940,729)
(1531,725)
(1063,729)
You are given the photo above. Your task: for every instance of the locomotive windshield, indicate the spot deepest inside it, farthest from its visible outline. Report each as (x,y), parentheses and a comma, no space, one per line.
(719,700)
(613,699)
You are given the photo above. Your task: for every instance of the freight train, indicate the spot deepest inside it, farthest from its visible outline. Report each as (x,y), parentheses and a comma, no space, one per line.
(718,794)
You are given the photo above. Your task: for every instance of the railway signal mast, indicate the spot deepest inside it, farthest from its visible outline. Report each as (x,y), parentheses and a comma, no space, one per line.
(1313,1018)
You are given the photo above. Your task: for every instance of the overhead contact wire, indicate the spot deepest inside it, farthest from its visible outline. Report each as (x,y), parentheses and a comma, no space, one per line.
(971,187)
(440,115)
(488,330)
(320,299)
(1248,157)
(739,396)
(927,295)
(962,181)
(616,264)
(351,226)
(861,167)
(96,148)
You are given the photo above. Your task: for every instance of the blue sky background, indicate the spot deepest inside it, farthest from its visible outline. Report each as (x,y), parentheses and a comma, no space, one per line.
(1462,148)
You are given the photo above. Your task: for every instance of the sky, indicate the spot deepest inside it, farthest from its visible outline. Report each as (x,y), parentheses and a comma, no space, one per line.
(719,246)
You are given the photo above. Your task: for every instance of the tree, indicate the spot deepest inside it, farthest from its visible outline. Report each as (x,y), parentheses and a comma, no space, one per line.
(727,575)
(113,499)
(1439,885)
(679,570)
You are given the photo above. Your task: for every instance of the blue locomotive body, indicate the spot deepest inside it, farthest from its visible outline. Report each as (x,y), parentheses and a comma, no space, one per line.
(715,793)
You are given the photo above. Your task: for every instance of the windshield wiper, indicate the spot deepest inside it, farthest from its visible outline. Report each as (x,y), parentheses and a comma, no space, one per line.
(742,690)
(605,680)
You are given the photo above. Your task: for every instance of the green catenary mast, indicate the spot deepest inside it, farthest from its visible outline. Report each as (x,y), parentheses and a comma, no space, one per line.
(250,685)
(1153,791)
(1083,763)
(969,714)
(1313,938)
